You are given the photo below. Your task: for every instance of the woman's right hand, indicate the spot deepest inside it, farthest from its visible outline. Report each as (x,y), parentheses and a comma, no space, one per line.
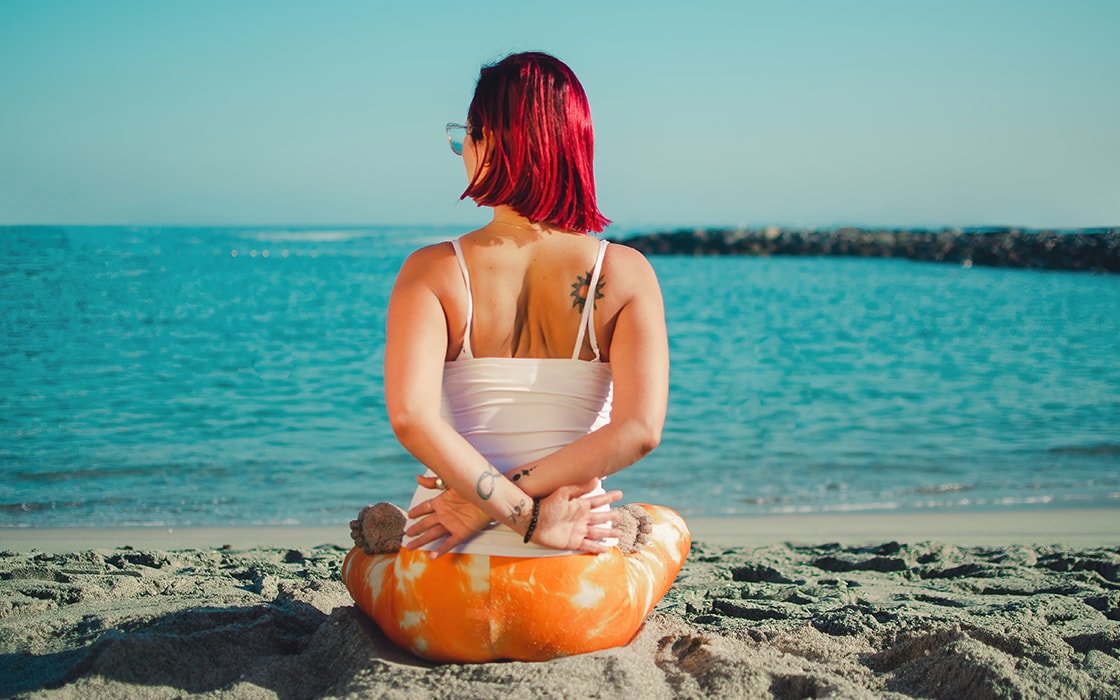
(567,521)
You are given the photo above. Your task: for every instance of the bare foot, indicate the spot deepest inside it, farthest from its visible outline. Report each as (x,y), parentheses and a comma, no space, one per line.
(378,529)
(634,526)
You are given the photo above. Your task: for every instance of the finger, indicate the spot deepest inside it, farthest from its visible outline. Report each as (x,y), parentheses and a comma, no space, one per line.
(423,524)
(432,482)
(600,519)
(600,533)
(428,537)
(591,547)
(446,546)
(423,508)
(604,499)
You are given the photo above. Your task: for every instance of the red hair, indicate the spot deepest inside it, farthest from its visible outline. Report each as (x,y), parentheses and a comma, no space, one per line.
(541,142)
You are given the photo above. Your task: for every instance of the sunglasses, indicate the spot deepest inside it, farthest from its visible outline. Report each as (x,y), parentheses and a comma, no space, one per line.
(456,134)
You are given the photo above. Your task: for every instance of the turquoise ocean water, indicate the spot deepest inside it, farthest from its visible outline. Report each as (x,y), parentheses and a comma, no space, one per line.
(233,377)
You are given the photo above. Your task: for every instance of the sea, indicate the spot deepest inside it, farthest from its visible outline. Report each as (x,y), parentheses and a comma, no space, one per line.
(233,376)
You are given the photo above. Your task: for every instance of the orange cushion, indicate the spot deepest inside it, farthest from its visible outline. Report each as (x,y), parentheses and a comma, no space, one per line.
(475,608)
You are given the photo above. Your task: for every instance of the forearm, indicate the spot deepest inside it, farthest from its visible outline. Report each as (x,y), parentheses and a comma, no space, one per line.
(436,445)
(606,451)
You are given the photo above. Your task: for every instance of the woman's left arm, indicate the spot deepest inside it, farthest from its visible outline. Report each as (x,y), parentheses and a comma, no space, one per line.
(639,356)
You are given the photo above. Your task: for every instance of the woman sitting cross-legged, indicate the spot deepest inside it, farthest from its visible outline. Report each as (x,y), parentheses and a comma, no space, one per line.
(524,362)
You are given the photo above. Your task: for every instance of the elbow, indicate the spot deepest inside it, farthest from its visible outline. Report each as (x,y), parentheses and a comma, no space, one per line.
(407,425)
(646,439)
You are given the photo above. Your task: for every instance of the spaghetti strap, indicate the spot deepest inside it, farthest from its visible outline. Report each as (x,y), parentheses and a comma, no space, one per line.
(466,351)
(587,321)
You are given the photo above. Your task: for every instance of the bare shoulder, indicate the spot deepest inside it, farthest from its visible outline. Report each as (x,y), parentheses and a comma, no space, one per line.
(624,254)
(630,268)
(431,263)
(431,254)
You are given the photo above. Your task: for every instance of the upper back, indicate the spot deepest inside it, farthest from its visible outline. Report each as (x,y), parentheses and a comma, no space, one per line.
(527,295)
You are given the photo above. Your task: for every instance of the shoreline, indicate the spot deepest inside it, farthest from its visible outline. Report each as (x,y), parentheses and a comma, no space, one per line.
(1091,527)
(882,605)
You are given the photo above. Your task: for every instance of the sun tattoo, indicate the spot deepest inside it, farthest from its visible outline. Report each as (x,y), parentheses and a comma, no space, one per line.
(580,289)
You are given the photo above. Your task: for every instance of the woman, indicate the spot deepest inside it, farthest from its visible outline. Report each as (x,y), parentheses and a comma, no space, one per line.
(547,350)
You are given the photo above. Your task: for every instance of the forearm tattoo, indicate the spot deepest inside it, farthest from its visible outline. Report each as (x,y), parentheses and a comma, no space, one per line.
(580,290)
(485,484)
(522,473)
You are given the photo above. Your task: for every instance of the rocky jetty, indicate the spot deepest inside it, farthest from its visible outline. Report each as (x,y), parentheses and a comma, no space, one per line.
(1096,250)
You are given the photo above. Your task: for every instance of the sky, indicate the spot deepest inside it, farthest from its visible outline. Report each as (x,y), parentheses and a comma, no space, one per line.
(797,113)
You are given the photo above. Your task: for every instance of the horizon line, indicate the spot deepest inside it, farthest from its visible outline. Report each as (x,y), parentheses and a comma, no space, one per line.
(666,228)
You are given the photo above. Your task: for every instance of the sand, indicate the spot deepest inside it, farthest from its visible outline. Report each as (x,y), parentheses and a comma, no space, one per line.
(814,616)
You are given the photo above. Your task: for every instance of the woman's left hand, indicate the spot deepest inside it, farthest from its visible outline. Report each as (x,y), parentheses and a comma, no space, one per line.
(446,515)
(567,519)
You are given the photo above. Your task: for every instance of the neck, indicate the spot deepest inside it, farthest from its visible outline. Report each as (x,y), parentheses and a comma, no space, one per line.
(505,216)
(524,226)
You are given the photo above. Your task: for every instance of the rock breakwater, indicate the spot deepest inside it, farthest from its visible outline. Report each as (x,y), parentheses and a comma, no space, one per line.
(1095,250)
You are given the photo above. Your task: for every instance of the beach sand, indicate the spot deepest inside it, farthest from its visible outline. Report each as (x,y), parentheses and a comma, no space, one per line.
(1021,604)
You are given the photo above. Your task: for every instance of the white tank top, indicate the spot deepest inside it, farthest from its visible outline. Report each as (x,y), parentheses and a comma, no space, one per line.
(515,410)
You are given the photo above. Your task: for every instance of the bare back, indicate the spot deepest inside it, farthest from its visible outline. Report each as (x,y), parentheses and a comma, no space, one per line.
(529,290)
(522,284)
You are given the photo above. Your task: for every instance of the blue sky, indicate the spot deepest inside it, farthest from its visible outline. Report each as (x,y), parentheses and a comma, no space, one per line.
(804,112)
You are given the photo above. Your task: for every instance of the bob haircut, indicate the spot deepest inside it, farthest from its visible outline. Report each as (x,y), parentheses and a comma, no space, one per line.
(541,145)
